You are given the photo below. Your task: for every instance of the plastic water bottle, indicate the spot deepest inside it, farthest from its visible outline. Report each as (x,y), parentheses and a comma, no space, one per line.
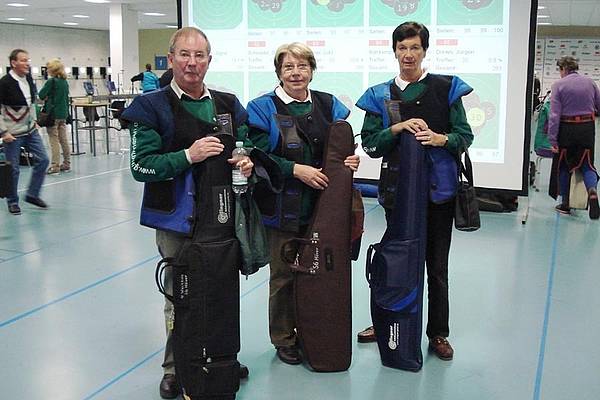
(239,182)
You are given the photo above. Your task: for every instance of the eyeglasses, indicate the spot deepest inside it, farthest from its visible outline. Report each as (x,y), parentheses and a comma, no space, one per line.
(187,56)
(289,68)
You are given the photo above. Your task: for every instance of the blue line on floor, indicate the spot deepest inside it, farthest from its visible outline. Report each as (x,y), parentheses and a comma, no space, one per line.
(76,292)
(12,251)
(117,378)
(147,358)
(51,244)
(540,366)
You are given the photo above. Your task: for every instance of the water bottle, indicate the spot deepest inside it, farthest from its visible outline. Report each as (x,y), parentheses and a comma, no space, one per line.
(239,182)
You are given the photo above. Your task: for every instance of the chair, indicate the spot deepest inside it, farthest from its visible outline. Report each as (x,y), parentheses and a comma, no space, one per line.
(541,146)
(116,108)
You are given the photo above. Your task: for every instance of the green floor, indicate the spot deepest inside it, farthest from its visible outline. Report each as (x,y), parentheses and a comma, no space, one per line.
(80,316)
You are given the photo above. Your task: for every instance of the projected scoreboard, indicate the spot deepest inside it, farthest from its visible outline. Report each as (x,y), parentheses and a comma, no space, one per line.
(352,43)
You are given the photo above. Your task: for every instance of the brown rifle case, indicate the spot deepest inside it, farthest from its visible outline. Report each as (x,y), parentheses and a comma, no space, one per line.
(322,264)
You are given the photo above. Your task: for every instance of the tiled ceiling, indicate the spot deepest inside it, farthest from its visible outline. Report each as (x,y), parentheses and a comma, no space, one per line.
(570,12)
(57,12)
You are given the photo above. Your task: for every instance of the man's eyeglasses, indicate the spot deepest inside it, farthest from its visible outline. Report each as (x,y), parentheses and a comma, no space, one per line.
(187,56)
(288,68)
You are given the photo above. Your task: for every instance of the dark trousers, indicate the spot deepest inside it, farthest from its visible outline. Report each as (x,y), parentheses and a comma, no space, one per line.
(439,236)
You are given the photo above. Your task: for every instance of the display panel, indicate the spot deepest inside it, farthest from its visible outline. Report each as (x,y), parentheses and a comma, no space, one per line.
(352,43)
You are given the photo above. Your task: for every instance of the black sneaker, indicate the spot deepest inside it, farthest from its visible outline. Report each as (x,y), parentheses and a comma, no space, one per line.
(14,209)
(593,204)
(563,209)
(36,201)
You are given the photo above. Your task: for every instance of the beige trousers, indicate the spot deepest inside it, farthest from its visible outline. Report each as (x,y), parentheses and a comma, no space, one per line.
(58,139)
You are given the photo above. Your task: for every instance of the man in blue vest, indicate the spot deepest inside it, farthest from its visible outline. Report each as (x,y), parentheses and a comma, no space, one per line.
(148,78)
(172,135)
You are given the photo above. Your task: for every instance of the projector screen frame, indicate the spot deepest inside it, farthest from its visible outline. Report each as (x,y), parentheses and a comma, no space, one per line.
(182,10)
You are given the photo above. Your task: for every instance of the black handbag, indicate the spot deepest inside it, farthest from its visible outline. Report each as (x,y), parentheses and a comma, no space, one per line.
(6,178)
(466,213)
(46,117)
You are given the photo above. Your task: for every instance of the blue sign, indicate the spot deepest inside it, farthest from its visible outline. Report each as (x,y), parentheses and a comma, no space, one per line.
(160,62)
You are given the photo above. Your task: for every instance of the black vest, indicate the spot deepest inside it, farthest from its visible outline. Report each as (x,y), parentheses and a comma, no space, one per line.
(431,106)
(296,132)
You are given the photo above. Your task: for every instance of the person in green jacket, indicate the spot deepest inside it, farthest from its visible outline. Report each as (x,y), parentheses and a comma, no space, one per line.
(56,95)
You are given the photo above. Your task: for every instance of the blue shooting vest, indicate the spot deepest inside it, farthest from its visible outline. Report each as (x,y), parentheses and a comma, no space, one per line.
(287,137)
(433,106)
(170,205)
(149,82)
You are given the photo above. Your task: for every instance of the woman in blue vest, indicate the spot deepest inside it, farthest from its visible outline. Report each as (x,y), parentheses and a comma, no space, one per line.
(296,144)
(431,109)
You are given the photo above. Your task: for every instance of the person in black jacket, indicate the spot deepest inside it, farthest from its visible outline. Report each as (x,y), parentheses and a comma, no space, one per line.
(19,129)
(166,78)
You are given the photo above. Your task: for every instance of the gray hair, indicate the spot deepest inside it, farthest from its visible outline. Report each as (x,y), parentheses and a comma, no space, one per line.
(185,32)
(568,63)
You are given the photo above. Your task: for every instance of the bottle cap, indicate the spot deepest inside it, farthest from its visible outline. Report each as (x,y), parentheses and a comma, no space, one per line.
(239,144)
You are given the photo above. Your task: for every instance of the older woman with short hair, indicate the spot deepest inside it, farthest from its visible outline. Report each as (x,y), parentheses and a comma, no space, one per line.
(312,112)
(56,94)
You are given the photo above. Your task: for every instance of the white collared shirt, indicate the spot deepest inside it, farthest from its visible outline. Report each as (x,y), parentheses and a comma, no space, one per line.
(402,84)
(287,99)
(179,92)
(23,85)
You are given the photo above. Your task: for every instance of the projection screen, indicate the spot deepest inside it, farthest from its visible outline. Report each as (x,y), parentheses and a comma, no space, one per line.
(487,43)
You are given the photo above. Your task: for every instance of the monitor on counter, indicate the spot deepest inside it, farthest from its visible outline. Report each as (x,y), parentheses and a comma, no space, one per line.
(89,88)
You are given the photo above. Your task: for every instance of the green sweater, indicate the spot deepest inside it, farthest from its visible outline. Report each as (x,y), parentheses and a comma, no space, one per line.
(56,94)
(378,141)
(261,140)
(148,164)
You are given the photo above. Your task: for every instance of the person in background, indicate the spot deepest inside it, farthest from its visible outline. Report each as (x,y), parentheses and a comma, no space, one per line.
(56,95)
(166,78)
(148,78)
(574,105)
(19,129)
(313,111)
(171,133)
(433,112)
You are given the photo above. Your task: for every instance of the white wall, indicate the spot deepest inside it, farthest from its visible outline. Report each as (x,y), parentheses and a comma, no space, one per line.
(75,47)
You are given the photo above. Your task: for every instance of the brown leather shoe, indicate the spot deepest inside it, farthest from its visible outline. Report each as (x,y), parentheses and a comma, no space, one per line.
(244,371)
(289,355)
(367,335)
(441,347)
(169,389)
